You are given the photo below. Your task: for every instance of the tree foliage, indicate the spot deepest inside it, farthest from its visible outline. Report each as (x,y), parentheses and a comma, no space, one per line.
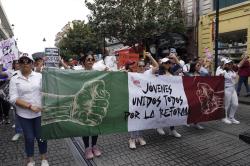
(133,21)
(79,38)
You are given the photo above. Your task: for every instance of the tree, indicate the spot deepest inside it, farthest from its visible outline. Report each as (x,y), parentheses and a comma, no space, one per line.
(79,38)
(134,21)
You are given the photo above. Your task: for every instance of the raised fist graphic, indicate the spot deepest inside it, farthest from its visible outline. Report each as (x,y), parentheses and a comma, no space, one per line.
(87,107)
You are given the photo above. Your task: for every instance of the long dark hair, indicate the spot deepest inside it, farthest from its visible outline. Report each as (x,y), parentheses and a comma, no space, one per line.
(84,57)
(193,67)
(162,70)
(13,64)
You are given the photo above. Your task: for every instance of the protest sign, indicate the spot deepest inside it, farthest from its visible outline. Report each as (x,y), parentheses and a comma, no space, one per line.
(81,103)
(8,52)
(52,57)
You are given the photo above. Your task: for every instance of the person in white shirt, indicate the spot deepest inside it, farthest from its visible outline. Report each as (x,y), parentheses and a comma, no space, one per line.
(25,94)
(231,98)
(165,69)
(136,136)
(91,150)
(17,126)
(220,68)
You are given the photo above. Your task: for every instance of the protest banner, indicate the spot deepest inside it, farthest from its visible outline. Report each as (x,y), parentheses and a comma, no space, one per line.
(8,52)
(52,57)
(81,103)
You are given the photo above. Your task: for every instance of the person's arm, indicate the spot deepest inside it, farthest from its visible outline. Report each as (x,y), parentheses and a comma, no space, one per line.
(175,59)
(63,63)
(154,62)
(242,61)
(19,102)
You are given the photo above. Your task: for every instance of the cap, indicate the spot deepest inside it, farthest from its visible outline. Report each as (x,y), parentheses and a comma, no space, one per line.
(26,55)
(172,50)
(165,60)
(227,61)
(141,63)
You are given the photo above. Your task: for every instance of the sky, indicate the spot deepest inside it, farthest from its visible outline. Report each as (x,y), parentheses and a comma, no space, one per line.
(37,19)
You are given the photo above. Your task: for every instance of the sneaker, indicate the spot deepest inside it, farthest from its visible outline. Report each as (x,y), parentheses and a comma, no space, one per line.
(32,163)
(96,151)
(198,126)
(187,125)
(226,120)
(44,163)
(13,126)
(160,131)
(141,141)
(16,137)
(174,133)
(132,144)
(88,153)
(234,121)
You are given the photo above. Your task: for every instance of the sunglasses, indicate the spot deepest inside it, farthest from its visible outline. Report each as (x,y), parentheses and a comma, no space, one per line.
(90,60)
(25,61)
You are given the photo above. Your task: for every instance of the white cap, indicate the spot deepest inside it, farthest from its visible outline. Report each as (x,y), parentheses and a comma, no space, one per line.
(27,56)
(164,60)
(227,61)
(223,59)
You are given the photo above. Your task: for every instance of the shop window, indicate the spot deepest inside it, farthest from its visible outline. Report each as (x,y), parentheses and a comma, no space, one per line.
(226,3)
(233,44)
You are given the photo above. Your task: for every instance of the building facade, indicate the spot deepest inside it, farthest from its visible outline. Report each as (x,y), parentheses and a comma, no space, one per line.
(5,27)
(234,27)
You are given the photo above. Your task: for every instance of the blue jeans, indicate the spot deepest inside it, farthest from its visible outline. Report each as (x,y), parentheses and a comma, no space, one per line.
(18,128)
(243,79)
(31,130)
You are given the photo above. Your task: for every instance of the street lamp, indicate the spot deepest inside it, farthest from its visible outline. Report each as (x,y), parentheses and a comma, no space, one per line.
(216,35)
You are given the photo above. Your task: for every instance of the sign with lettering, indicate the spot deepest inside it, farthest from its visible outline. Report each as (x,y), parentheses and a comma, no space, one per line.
(8,52)
(77,103)
(52,57)
(154,103)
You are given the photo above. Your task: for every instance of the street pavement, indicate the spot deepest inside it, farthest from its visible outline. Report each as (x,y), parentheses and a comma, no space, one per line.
(218,144)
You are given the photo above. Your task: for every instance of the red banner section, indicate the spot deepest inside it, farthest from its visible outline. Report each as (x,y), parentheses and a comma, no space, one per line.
(205,98)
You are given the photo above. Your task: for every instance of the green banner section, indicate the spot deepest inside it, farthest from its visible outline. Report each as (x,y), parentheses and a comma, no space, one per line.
(82,103)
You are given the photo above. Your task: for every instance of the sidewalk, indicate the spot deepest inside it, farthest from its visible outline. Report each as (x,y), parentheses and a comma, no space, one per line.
(12,153)
(218,144)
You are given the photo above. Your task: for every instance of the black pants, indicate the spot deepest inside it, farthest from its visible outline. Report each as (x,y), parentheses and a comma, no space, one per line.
(4,109)
(86,141)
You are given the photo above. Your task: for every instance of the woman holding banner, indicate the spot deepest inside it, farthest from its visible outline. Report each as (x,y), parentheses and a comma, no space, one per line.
(135,136)
(25,94)
(92,150)
(165,69)
(195,71)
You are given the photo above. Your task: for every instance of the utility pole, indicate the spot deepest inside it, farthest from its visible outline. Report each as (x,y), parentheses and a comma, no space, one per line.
(217,8)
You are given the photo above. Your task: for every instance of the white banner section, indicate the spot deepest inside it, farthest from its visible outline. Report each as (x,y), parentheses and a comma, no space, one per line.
(156,101)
